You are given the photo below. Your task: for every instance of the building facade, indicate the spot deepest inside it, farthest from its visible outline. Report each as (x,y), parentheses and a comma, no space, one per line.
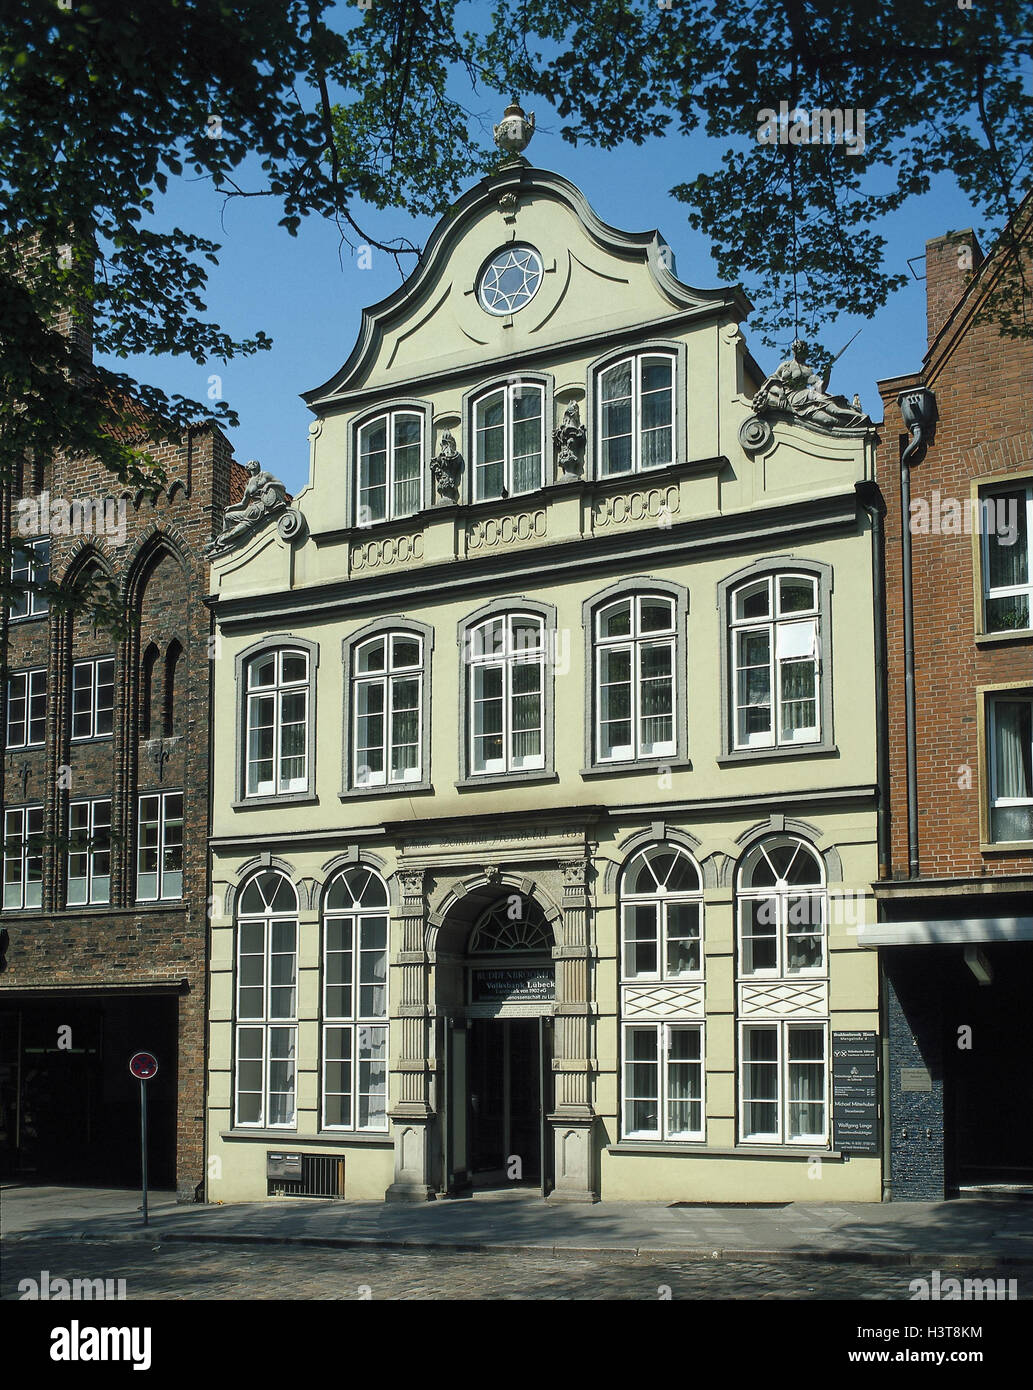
(105,802)
(545,812)
(955,934)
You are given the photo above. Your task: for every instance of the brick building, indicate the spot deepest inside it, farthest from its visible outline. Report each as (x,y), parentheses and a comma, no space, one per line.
(104,782)
(955,936)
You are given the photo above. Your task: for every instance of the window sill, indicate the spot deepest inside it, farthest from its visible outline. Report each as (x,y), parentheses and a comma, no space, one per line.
(646,766)
(988,639)
(681,1149)
(24,747)
(29,617)
(98,910)
(93,738)
(323,1136)
(793,750)
(254,803)
(505,779)
(390,789)
(1007,847)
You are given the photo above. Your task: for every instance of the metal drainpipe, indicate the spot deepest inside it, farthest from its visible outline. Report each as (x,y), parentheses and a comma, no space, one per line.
(873,503)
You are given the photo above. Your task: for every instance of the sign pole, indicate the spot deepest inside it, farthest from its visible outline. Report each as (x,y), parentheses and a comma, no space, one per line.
(143,1144)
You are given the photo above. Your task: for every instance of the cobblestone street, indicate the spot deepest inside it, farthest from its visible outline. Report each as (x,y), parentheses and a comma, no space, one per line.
(227,1271)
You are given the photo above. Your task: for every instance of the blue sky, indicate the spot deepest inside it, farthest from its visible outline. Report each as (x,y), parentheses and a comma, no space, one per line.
(308,292)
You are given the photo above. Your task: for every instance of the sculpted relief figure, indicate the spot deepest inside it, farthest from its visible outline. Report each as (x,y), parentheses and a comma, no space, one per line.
(264,496)
(795,387)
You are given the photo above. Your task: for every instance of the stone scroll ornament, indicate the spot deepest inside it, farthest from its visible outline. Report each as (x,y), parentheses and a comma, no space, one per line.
(796,389)
(446,468)
(569,438)
(264,497)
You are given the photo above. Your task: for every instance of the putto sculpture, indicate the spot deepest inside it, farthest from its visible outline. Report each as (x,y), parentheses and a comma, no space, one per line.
(569,438)
(264,496)
(446,467)
(513,133)
(797,389)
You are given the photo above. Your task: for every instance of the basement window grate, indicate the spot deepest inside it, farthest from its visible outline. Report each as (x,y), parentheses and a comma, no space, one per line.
(322,1175)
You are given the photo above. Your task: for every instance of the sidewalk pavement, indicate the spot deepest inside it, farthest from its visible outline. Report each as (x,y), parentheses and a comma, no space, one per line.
(970,1233)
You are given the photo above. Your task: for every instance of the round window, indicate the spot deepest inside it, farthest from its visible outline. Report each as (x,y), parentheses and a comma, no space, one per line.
(510,279)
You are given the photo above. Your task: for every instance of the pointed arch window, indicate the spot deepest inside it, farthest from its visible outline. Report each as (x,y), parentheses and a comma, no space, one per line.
(265,1082)
(355,1001)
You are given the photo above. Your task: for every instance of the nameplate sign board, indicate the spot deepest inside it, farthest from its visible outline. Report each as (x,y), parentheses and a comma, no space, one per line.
(855,1092)
(513,984)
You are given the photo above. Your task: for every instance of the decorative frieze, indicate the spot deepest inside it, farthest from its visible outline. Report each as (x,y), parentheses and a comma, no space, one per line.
(387,550)
(808,999)
(650,504)
(488,533)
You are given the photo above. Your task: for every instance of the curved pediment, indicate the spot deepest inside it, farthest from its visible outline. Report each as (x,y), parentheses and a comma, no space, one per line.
(592,280)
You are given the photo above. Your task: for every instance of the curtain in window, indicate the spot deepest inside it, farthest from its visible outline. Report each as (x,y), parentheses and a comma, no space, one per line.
(806,1082)
(1014,726)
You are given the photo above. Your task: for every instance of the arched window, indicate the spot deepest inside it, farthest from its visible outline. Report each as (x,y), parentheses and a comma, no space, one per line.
(172,656)
(267,1002)
(387,688)
(635,408)
(505,658)
(277,717)
(661,907)
(782,909)
(355,1032)
(509,440)
(390,466)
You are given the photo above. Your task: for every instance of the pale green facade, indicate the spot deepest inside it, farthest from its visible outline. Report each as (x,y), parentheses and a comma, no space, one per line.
(554,838)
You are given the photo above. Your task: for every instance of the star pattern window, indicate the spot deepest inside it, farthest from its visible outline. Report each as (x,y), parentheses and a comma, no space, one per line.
(510,280)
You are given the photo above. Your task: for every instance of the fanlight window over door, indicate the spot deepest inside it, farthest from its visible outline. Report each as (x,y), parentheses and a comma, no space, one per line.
(513,923)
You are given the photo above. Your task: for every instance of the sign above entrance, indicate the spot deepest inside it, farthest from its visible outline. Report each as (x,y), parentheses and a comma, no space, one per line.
(514,984)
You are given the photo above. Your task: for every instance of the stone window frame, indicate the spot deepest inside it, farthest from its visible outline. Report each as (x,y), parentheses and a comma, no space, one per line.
(638,586)
(497,608)
(417,406)
(274,641)
(775,565)
(380,627)
(545,380)
(356,1021)
(27,673)
(657,347)
(780,975)
(985,696)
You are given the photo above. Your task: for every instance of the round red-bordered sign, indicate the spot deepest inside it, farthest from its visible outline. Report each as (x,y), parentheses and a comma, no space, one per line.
(143,1065)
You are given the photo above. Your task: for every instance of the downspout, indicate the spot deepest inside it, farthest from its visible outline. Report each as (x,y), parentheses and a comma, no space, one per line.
(918,408)
(872,501)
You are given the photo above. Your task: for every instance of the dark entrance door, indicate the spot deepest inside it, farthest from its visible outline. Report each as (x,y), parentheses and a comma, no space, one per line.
(505,1106)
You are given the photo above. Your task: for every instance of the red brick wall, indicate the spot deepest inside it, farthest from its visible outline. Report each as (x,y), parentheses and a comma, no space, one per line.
(983,383)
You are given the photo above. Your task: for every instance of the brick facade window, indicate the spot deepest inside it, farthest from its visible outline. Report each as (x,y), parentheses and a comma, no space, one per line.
(1007,577)
(26,709)
(93,699)
(89,852)
(1010,756)
(31,565)
(23,857)
(159,847)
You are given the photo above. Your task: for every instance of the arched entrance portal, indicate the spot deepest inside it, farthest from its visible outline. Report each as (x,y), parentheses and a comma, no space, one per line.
(501,1050)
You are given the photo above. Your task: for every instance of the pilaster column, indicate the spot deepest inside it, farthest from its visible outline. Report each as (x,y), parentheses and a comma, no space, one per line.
(412,1118)
(573,1117)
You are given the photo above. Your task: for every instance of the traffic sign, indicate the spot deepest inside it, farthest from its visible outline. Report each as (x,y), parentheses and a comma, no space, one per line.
(143,1065)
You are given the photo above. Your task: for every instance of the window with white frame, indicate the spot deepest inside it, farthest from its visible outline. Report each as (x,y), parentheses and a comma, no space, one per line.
(1010,758)
(89,852)
(30,565)
(1006,516)
(390,466)
(509,441)
(266,1042)
(636,413)
(506,675)
(783,1083)
(26,709)
(276,717)
(93,698)
(23,857)
(387,686)
(661,901)
(159,847)
(783,910)
(663,1081)
(635,654)
(776,661)
(355,937)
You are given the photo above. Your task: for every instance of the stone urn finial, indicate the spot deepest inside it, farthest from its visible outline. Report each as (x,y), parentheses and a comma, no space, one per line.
(513,133)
